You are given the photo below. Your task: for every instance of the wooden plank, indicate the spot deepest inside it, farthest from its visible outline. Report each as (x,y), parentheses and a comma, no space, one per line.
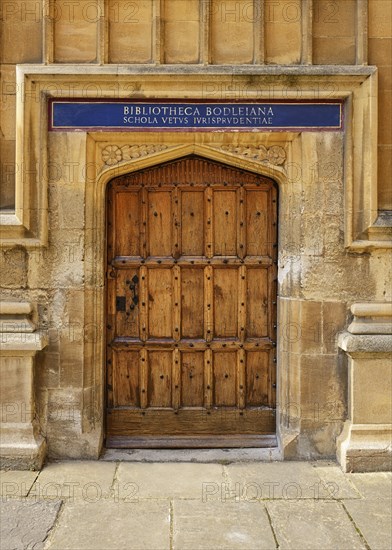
(225,378)
(160,306)
(192,379)
(159,391)
(109,379)
(143,303)
(123,262)
(126,388)
(192,302)
(127,321)
(257,223)
(176,303)
(165,422)
(192,223)
(257,303)
(209,226)
(110,333)
(272,378)
(225,302)
(143,225)
(242,303)
(189,344)
(257,378)
(241,228)
(127,223)
(208,379)
(225,223)
(176,223)
(159,223)
(208,304)
(143,365)
(176,379)
(241,378)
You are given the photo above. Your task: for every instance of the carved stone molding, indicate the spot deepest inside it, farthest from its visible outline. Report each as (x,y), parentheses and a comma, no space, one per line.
(114,154)
(275,155)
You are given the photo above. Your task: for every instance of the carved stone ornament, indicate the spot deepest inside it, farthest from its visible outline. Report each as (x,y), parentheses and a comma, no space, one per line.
(113,154)
(275,155)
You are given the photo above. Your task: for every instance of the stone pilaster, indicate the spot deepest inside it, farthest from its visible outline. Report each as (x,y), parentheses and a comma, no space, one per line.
(365,443)
(21,445)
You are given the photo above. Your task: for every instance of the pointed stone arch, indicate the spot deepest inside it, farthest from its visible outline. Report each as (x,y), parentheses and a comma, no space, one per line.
(95,265)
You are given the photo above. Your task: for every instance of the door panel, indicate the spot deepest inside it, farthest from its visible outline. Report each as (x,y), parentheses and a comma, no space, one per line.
(257,378)
(192,223)
(159,390)
(128,231)
(225,302)
(191,306)
(159,223)
(257,223)
(192,302)
(126,379)
(160,308)
(192,379)
(225,223)
(257,303)
(225,378)
(126,319)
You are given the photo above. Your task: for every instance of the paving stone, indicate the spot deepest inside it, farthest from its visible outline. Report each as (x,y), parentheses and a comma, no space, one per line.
(16,483)
(373,519)
(73,480)
(221,526)
(376,485)
(334,483)
(276,480)
(313,525)
(169,480)
(108,524)
(26,524)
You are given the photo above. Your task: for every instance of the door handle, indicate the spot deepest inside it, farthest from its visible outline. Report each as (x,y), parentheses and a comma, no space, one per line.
(133,288)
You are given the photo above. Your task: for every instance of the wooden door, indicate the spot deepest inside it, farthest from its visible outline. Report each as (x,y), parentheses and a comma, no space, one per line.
(191,307)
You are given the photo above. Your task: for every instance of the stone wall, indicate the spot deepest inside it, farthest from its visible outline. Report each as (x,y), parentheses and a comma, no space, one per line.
(287,32)
(320,274)
(318,281)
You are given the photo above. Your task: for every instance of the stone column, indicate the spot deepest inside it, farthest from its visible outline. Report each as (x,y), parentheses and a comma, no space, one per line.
(21,445)
(365,444)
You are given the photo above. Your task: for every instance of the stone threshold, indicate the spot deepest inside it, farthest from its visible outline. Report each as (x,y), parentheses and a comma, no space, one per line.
(219,456)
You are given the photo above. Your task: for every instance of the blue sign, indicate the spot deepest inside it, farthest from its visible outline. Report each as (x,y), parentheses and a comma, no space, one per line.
(133,115)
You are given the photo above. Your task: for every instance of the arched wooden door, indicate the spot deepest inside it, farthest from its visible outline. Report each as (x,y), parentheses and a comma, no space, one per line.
(191,307)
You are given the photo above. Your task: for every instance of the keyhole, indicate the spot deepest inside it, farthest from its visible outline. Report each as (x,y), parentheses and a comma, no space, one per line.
(161,377)
(227,213)
(226,376)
